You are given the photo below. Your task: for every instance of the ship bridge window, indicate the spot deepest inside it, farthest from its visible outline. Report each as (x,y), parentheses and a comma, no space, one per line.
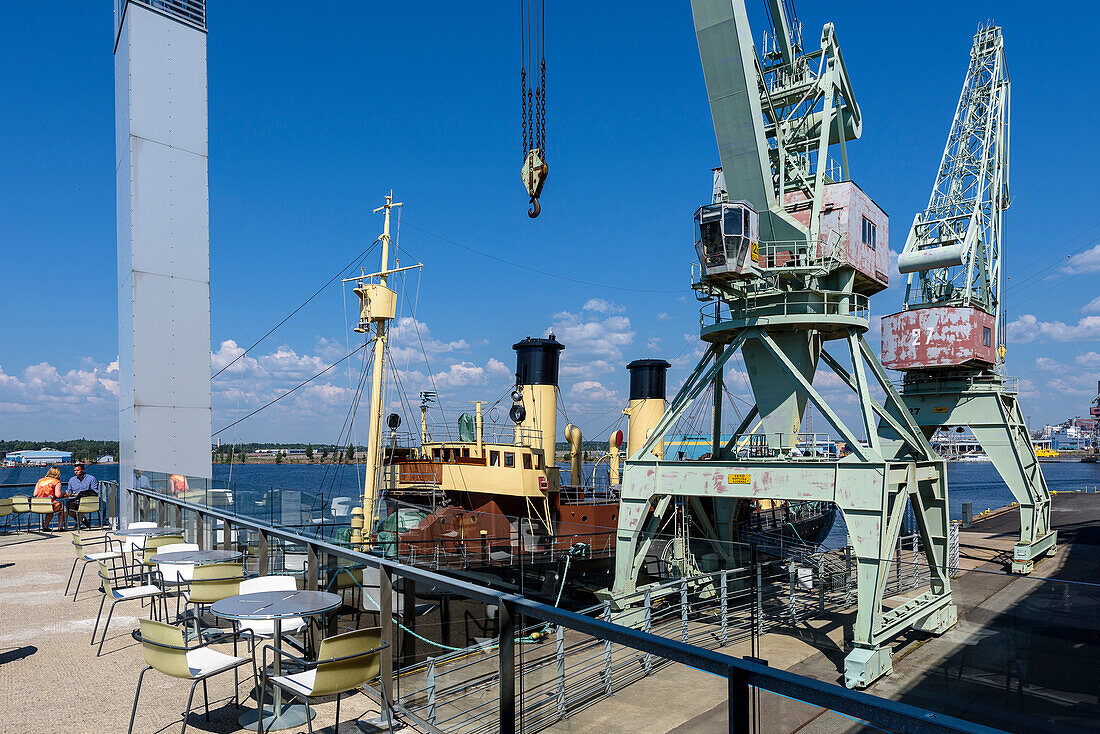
(466,453)
(538,461)
(436,455)
(494,458)
(509,459)
(527,461)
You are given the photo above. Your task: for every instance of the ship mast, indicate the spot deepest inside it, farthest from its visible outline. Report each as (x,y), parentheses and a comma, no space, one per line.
(377,307)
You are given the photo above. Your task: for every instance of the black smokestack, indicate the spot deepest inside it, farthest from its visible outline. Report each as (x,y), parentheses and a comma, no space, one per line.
(647,378)
(537,361)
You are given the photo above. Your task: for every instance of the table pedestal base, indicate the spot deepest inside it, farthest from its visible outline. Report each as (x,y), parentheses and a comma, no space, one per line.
(294,714)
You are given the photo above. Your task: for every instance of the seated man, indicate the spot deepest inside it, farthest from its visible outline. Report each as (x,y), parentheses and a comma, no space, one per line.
(81,485)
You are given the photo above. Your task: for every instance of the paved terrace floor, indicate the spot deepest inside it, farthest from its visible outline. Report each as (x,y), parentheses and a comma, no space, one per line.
(51,679)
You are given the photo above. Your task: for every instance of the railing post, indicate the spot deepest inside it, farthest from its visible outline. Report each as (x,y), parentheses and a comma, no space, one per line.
(821,583)
(227,536)
(759,598)
(647,659)
(607,677)
(261,553)
(506,667)
(740,711)
(683,609)
(725,608)
(200,531)
(385,616)
(559,652)
(313,560)
(431,690)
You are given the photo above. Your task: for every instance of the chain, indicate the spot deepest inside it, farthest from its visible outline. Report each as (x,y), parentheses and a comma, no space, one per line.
(523,96)
(542,111)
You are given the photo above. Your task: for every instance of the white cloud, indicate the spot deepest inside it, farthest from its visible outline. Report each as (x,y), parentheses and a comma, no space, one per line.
(411,340)
(1092,306)
(589,394)
(1028,328)
(1046,364)
(1088,359)
(653,343)
(593,344)
(600,305)
(42,400)
(663,316)
(1086,262)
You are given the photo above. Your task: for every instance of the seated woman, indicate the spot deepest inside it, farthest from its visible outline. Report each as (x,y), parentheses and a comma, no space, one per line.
(50,486)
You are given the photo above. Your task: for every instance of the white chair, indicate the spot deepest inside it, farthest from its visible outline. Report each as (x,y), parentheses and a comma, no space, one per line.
(341,507)
(372,594)
(135,543)
(115,586)
(265,628)
(176,575)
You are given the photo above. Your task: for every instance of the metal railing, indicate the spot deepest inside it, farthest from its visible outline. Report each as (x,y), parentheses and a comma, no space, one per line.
(785,303)
(742,674)
(190,12)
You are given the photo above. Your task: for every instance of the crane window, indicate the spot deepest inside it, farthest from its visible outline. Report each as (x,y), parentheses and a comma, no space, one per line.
(987,336)
(869,233)
(733,222)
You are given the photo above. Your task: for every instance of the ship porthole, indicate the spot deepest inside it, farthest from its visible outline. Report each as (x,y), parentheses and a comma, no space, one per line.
(584,518)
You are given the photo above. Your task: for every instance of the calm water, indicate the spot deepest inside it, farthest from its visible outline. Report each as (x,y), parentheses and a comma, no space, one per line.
(977,483)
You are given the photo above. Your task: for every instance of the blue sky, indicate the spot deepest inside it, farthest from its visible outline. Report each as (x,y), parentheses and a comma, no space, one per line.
(315,115)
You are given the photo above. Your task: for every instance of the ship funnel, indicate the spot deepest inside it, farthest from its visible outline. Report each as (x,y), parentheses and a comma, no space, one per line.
(647,403)
(537,380)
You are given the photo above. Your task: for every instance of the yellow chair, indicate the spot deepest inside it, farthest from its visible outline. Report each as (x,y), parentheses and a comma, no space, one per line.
(5,509)
(343,663)
(21,505)
(165,649)
(212,582)
(109,553)
(114,587)
(149,549)
(88,505)
(44,506)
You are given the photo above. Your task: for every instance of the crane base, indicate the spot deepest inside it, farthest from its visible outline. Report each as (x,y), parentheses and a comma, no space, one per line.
(863,666)
(1025,554)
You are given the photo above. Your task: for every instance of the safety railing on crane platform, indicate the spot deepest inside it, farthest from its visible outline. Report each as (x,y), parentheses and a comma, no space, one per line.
(791,303)
(565,658)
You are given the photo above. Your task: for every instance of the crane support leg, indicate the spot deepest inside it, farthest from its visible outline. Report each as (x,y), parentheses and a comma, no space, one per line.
(993,414)
(871,490)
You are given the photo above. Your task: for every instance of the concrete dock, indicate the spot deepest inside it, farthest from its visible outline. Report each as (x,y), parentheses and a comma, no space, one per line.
(1025,655)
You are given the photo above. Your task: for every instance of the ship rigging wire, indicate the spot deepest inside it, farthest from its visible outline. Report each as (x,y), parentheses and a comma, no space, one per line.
(351,265)
(291,390)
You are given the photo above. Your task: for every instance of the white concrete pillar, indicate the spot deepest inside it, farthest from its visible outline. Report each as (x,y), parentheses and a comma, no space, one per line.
(163,238)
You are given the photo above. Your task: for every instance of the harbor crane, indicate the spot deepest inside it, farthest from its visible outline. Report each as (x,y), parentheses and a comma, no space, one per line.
(949,338)
(789,250)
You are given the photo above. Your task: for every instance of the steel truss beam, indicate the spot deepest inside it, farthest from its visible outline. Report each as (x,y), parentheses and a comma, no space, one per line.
(871,486)
(993,414)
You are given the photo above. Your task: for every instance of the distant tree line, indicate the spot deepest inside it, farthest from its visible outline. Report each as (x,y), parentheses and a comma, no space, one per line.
(81,448)
(324,453)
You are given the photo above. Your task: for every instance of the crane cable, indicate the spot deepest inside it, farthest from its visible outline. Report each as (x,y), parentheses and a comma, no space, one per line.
(533,98)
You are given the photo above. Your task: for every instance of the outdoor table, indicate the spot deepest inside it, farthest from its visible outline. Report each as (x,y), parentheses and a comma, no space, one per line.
(195,558)
(277,606)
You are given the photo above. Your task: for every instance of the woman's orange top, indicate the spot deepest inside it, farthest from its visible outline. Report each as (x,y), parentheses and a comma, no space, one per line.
(47,487)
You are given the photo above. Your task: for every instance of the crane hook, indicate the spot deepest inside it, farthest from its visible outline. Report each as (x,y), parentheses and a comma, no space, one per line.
(535,209)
